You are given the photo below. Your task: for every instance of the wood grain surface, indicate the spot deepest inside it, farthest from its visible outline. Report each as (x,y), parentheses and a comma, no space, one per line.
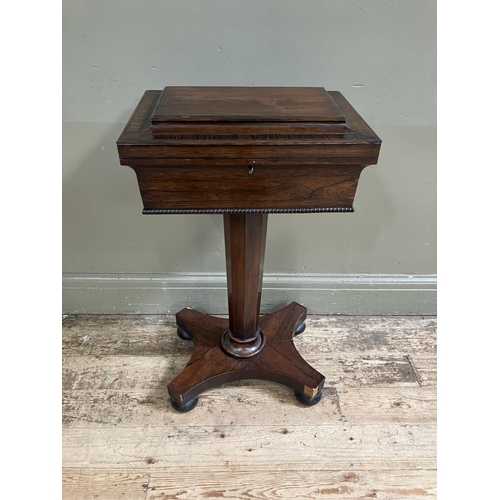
(246,148)
(373,435)
(245,104)
(232,187)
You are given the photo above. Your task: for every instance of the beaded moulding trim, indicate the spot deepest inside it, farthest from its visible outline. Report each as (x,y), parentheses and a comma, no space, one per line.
(167,211)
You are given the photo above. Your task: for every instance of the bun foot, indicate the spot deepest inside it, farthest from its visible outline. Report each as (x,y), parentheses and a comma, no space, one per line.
(183,334)
(185,407)
(306,400)
(300,328)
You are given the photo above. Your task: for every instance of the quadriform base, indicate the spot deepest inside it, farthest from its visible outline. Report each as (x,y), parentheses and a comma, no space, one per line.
(278,361)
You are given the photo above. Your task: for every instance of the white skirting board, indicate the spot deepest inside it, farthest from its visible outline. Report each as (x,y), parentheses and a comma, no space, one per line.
(352,294)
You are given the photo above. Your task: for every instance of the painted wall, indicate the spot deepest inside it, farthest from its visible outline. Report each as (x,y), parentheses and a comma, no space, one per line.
(379,54)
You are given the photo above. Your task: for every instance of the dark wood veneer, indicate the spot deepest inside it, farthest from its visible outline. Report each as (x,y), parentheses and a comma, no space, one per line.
(245,104)
(187,187)
(245,152)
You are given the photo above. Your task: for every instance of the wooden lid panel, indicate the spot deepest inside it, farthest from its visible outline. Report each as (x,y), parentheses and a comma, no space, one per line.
(278,141)
(246,104)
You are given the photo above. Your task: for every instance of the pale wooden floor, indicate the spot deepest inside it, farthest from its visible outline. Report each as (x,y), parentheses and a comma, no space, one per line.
(373,435)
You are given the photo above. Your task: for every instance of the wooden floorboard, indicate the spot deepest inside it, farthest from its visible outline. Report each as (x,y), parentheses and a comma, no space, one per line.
(310,484)
(373,435)
(93,483)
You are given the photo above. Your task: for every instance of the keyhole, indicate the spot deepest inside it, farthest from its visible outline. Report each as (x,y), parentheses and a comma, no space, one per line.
(250,169)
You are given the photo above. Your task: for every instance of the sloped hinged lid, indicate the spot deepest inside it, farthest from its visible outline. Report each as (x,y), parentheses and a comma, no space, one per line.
(233,111)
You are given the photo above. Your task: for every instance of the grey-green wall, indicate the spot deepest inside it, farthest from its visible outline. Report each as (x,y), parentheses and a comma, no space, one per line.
(380,54)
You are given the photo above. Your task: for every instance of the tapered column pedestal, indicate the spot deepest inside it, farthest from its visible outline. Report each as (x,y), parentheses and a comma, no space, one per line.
(247,345)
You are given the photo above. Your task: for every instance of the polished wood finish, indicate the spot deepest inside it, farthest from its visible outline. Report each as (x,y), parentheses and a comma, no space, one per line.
(246,152)
(249,186)
(245,240)
(204,167)
(245,104)
(210,366)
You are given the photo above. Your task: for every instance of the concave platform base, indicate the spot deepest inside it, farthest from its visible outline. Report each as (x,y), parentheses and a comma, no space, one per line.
(210,365)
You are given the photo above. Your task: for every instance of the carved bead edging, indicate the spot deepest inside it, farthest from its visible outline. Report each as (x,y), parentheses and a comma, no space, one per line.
(167,211)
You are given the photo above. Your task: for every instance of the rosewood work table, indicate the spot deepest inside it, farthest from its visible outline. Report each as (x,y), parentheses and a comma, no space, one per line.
(246,152)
